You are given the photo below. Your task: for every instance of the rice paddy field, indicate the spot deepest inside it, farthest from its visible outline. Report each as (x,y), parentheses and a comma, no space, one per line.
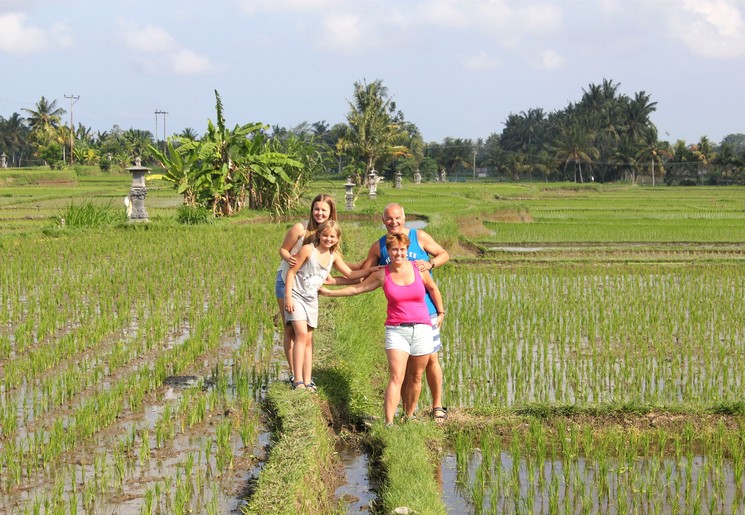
(593,356)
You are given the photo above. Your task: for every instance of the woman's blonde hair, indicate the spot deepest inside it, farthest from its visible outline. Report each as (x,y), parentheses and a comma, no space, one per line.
(329,225)
(310,231)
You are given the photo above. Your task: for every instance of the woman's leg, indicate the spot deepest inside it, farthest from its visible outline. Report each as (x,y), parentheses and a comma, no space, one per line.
(414,371)
(397,370)
(288,334)
(300,328)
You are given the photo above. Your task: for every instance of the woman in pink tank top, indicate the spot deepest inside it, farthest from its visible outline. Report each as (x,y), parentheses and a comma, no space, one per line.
(408,328)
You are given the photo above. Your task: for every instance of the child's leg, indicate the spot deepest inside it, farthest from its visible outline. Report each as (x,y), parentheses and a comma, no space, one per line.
(300,328)
(308,363)
(288,333)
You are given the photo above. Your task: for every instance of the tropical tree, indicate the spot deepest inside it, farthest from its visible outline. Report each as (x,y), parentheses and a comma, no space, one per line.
(372,127)
(189,133)
(136,143)
(227,166)
(654,152)
(727,160)
(703,152)
(14,138)
(453,154)
(44,120)
(637,113)
(624,157)
(575,145)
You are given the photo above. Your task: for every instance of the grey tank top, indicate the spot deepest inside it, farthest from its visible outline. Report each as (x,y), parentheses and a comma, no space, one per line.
(310,277)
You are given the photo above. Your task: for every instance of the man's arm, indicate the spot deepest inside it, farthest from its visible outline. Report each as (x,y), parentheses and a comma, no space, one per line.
(438,255)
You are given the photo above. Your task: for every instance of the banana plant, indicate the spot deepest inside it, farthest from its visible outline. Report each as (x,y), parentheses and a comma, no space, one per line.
(228,165)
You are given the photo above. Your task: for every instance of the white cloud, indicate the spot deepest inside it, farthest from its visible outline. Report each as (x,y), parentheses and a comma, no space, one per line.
(343,32)
(20,38)
(255,6)
(147,39)
(445,13)
(510,19)
(186,62)
(481,62)
(549,60)
(710,28)
(156,51)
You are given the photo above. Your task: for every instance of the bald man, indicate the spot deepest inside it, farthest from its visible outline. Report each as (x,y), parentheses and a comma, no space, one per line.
(427,254)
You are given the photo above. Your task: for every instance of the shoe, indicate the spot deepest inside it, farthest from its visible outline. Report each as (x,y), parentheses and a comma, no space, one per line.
(439,414)
(298,386)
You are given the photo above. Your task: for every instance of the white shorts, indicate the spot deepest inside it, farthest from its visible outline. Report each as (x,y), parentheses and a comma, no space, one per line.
(415,340)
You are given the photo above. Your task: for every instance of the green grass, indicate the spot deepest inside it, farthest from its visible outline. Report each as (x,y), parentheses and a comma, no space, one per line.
(630,314)
(296,479)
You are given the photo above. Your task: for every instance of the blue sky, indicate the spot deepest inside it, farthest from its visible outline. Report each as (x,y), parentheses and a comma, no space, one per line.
(455,68)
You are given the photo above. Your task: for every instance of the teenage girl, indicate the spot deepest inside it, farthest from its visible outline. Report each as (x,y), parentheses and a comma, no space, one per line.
(312,266)
(322,208)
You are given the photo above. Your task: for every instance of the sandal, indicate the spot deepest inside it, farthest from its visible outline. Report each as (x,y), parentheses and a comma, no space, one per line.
(439,414)
(298,386)
(311,387)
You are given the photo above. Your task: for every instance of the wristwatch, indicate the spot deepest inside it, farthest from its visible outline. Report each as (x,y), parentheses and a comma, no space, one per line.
(432,262)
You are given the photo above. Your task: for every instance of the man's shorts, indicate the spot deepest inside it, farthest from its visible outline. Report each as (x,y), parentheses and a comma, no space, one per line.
(415,340)
(436,335)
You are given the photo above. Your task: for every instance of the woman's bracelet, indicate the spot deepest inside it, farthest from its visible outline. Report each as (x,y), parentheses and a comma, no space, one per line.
(440,312)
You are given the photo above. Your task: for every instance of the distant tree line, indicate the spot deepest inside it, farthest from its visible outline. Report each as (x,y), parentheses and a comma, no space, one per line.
(605,136)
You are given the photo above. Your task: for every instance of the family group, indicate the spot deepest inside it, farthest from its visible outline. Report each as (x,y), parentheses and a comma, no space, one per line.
(400,263)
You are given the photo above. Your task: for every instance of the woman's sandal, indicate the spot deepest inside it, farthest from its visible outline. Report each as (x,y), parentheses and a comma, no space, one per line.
(439,414)
(311,387)
(298,386)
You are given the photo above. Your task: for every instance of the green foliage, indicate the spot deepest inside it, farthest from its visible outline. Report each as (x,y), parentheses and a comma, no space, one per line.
(194,215)
(374,132)
(88,214)
(52,154)
(228,169)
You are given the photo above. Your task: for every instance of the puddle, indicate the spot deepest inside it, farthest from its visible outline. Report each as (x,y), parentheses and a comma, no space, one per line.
(356,492)
(500,483)
(516,249)
(447,478)
(416,224)
(261,451)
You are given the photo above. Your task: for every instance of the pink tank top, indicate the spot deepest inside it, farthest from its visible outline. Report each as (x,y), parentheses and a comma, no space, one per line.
(406,303)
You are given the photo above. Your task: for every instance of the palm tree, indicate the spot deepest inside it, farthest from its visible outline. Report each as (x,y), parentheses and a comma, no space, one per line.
(728,160)
(372,129)
(137,143)
(576,145)
(653,151)
(45,120)
(637,114)
(189,134)
(14,138)
(624,157)
(703,152)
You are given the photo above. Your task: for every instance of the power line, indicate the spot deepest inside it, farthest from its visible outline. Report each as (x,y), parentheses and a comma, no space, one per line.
(73,100)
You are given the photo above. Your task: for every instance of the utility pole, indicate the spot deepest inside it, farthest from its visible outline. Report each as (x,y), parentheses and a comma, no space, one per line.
(164,113)
(73,99)
(475,150)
